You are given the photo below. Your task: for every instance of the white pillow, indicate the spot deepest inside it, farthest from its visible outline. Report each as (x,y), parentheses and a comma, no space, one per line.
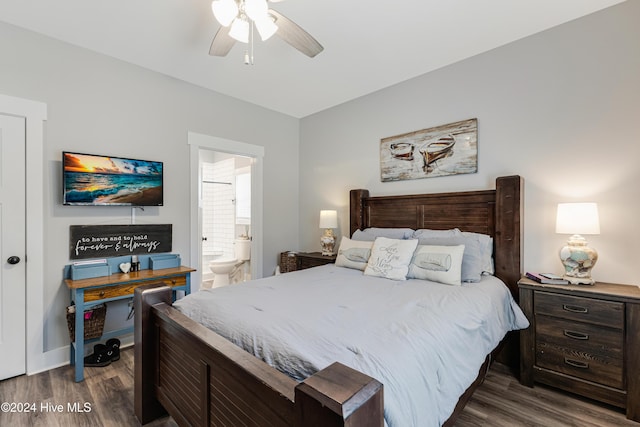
(353,254)
(390,258)
(441,264)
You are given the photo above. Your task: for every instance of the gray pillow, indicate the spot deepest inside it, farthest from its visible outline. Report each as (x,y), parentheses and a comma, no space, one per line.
(486,250)
(370,234)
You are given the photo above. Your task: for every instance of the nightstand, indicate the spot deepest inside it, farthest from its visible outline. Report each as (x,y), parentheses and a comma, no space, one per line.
(584,339)
(292,261)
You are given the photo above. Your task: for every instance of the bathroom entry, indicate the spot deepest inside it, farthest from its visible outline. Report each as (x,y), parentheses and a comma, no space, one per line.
(226,218)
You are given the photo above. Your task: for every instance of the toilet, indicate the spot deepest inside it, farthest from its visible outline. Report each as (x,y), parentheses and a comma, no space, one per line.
(222,267)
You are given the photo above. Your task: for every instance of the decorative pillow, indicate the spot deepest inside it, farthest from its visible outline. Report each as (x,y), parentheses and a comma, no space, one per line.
(441,264)
(353,254)
(390,258)
(424,233)
(370,234)
(485,243)
(472,266)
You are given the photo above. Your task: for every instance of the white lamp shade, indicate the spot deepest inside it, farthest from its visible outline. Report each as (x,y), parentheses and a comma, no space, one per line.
(240,30)
(224,11)
(328,219)
(256,9)
(266,27)
(577,218)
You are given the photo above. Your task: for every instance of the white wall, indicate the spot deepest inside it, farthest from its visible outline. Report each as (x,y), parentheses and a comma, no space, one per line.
(559,108)
(100,105)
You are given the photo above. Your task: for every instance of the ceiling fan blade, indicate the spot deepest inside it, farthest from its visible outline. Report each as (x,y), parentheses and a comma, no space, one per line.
(222,42)
(291,33)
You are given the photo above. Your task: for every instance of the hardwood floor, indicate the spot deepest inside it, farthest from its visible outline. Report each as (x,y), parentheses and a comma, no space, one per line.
(108,395)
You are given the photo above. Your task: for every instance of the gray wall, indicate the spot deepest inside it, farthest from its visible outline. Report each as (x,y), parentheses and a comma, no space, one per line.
(97,104)
(560,108)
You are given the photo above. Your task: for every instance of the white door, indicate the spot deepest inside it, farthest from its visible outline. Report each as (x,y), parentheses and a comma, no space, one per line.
(12,247)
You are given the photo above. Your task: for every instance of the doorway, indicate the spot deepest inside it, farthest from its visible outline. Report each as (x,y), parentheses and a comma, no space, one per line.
(246,219)
(225,200)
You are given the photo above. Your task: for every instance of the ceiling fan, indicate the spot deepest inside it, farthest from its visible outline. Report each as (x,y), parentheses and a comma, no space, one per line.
(239,18)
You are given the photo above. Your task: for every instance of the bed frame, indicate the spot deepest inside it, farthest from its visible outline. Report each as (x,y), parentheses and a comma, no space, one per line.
(202,379)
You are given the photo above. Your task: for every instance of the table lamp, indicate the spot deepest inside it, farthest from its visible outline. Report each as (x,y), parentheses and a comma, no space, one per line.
(576,256)
(328,221)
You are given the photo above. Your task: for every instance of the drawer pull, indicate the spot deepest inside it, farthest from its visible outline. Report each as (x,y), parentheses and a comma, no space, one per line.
(576,335)
(173,281)
(576,363)
(101,294)
(575,308)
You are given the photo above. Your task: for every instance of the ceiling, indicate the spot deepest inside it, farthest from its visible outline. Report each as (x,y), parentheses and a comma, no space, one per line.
(368,45)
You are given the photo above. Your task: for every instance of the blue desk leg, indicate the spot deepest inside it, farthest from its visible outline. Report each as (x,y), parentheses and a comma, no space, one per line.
(79,350)
(188,284)
(72,348)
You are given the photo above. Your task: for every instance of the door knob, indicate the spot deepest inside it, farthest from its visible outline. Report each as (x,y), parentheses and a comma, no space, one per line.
(13,259)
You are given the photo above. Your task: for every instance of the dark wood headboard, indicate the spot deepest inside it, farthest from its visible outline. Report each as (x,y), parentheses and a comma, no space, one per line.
(497,213)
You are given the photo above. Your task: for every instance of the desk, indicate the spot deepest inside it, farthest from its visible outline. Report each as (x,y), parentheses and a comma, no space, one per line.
(87,293)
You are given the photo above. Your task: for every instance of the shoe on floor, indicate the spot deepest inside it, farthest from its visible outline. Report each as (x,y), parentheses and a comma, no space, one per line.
(101,356)
(113,344)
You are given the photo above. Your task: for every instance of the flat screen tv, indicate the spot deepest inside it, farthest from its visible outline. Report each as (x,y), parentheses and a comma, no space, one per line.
(95,180)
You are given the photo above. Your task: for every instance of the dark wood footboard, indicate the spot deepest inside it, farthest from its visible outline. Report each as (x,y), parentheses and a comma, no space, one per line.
(200,378)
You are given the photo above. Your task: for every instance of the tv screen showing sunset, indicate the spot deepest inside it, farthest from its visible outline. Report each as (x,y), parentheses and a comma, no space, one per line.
(102,180)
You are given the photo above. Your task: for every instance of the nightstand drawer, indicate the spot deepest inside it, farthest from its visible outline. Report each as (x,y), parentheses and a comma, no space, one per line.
(127,289)
(602,370)
(597,312)
(580,337)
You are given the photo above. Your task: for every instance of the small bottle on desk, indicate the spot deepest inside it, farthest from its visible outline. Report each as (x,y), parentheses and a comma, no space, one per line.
(135,264)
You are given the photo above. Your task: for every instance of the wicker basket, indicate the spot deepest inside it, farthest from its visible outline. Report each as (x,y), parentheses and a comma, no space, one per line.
(93,322)
(288,262)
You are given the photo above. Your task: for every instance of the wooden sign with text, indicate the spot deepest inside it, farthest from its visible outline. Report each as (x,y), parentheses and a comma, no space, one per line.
(101,241)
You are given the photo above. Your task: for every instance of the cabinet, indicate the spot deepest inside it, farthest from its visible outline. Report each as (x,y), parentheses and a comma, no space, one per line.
(583,339)
(87,293)
(292,261)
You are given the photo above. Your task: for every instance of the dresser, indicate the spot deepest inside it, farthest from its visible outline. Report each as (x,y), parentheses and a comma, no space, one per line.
(583,339)
(293,261)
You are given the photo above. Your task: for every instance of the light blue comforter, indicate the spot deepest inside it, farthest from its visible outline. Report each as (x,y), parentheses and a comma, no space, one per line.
(423,340)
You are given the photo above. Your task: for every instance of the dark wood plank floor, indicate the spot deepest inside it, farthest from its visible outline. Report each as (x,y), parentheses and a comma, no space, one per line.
(108,395)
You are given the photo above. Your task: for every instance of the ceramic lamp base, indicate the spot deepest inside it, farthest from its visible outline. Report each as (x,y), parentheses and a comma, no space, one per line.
(578,259)
(328,242)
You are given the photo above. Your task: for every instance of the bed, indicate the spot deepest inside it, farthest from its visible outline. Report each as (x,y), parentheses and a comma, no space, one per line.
(201,378)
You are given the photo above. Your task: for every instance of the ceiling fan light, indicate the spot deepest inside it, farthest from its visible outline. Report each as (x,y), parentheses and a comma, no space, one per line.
(240,30)
(224,11)
(256,9)
(266,27)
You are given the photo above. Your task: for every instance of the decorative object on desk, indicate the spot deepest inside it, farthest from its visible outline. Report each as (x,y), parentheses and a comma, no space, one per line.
(449,149)
(547,278)
(99,268)
(125,267)
(93,321)
(576,256)
(158,262)
(135,264)
(328,221)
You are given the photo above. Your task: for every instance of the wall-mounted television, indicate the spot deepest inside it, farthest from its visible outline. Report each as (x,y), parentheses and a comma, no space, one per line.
(96,180)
